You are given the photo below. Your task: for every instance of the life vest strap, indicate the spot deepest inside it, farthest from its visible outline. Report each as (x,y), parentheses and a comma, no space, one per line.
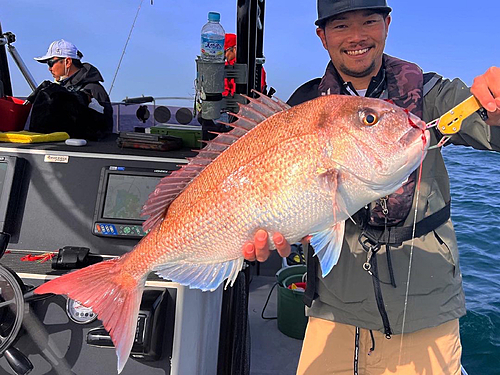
(395,236)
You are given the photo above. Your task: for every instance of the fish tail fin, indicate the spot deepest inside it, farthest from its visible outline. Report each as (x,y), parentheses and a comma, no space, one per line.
(113,295)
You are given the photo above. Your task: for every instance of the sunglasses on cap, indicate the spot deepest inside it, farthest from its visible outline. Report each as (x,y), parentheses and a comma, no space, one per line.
(52,62)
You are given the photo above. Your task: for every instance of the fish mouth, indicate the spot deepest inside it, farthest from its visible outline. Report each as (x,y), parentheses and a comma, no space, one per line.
(409,138)
(417,149)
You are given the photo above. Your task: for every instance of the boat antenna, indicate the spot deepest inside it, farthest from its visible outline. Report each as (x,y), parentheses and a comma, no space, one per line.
(126,44)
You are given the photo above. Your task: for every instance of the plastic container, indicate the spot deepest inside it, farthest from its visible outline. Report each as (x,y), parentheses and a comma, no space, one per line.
(13,114)
(212,39)
(298,286)
(292,320)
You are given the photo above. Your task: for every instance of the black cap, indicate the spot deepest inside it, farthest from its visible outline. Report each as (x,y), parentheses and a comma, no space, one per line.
(329,8)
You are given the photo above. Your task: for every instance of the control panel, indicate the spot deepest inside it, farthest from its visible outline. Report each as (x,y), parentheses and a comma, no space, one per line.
(122,230)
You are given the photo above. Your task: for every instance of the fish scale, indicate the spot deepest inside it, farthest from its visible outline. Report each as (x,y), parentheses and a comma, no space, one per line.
(302,170)
(214,187)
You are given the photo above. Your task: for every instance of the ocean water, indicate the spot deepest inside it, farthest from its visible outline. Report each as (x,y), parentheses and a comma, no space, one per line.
(475,190)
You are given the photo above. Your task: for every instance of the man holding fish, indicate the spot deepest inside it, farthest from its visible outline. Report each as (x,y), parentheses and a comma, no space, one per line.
(394,279)
(342,170)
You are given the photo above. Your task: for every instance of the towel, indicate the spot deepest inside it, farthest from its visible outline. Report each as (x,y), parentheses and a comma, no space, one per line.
(30,137)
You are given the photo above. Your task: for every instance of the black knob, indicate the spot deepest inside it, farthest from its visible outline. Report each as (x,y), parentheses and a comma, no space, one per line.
(18,361)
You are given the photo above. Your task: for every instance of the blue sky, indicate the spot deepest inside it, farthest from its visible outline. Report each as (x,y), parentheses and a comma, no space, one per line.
(455,39)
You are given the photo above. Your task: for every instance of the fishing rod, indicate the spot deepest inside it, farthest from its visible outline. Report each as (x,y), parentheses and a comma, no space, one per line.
(126,44)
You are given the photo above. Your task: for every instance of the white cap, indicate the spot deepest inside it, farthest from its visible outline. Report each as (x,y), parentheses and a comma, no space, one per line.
(60,48)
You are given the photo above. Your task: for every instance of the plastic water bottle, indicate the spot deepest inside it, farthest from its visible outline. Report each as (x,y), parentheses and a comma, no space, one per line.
(212,39)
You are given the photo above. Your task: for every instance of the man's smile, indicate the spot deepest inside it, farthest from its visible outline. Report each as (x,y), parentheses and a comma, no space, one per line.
(357,52)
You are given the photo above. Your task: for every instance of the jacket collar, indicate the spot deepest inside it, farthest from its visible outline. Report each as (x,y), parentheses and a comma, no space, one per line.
(332,83)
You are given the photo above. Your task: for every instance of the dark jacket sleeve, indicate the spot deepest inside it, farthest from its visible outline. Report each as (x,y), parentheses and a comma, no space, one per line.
(99,93)
(307,91)
(474,131)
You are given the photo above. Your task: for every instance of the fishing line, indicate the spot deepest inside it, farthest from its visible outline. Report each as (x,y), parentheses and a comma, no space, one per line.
(125,47)
(411,257)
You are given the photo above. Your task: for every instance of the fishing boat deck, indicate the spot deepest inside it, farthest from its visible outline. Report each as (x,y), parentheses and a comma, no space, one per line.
(272,352)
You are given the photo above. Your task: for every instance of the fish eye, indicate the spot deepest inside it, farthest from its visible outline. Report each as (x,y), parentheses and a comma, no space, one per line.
(369,118)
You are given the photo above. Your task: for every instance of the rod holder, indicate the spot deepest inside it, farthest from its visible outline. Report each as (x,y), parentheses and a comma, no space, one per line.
(210,85)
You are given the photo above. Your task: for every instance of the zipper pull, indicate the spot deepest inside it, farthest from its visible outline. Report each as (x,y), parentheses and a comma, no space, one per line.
(383,204)
(367,265)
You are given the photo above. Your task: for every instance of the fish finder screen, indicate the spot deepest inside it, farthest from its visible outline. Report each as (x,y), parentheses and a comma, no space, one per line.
(126,194)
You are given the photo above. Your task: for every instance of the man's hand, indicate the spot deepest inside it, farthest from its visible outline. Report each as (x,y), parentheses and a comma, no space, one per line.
(259,248)
(486,88)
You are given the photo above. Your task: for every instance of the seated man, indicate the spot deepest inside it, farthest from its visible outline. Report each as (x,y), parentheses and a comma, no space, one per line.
(76,102)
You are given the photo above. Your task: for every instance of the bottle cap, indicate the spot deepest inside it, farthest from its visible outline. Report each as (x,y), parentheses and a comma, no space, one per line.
(214,16)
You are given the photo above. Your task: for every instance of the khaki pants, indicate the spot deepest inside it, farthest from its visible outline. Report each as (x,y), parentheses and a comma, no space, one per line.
(329,349)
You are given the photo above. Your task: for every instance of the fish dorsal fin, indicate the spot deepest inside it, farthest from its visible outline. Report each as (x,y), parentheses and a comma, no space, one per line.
(249,116)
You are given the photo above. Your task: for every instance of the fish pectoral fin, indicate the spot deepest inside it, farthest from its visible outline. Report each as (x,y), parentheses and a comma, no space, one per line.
(327,245)
(328,179)
(204,276)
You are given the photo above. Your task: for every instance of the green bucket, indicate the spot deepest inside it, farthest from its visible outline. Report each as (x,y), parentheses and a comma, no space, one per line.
(292,320)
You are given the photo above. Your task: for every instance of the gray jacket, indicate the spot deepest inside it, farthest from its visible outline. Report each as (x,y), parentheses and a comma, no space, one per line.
(435,293)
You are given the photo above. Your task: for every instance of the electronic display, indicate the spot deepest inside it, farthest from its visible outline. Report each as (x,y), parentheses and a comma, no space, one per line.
(126,194)
(122,193)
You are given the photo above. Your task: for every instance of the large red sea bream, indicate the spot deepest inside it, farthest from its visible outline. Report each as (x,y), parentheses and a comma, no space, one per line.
(299,171)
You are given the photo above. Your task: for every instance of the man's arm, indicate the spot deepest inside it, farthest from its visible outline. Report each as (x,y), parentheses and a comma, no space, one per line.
(100,94)
(474,132)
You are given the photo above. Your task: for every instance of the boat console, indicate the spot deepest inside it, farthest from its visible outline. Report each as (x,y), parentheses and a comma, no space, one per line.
(64,207)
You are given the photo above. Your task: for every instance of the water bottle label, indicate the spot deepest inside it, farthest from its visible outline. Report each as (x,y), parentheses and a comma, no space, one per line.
(213,48)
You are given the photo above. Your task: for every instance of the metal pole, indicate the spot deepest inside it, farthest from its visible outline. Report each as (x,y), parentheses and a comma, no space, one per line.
(22,66)
(242,40)
(260,59)
(250,38)
(252,45)
(4,70)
